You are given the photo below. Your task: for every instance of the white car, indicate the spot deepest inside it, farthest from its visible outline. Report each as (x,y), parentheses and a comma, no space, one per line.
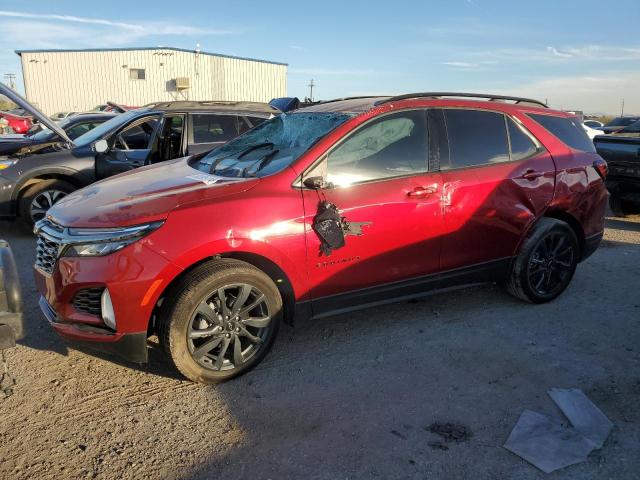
(593,124)
(591,132)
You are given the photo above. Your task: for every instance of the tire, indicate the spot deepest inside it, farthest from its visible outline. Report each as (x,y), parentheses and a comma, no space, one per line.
(194,308)
(45,193)
(533,263)
(617,206)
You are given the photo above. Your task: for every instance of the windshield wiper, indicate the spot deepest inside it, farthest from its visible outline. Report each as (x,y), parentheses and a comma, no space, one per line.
(242,153)
(262,162)
(250,149)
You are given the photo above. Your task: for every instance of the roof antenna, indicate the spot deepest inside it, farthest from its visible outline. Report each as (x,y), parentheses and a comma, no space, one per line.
(197,48)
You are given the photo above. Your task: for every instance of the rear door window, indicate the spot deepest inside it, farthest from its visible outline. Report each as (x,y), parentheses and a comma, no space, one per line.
(522,146)
(476,138)
(211,128)
(567,129)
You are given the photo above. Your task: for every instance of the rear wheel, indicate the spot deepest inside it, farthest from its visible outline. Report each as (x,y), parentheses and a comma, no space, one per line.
(220,320)
(546,262)
(40,197)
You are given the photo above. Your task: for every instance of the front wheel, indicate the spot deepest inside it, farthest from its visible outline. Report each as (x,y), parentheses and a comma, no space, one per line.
(220,320)
(546,262)
(40,197)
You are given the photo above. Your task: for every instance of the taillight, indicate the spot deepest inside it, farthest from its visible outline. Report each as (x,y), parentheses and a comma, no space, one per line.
(601,167)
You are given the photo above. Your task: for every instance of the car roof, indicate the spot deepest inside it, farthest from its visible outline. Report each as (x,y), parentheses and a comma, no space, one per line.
(215,106)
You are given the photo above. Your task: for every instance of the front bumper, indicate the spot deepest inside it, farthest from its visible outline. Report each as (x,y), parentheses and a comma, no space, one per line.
(135,277)
(128,346)
(7,205)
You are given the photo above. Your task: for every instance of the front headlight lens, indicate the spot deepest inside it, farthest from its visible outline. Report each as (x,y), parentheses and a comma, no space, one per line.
(95,249)
(98,242)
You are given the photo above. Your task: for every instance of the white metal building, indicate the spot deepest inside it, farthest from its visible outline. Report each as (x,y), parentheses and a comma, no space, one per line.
(79,80)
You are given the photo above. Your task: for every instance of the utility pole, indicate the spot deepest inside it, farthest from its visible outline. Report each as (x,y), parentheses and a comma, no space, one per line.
(622,111)
(311,85)
(11,78)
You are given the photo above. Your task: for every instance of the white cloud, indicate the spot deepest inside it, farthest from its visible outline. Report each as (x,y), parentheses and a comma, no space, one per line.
(296,47)
(58,31)
(469,65)
(556,53)
(461,64)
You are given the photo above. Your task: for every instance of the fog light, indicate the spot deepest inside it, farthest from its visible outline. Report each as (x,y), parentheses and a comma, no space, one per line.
(108,315)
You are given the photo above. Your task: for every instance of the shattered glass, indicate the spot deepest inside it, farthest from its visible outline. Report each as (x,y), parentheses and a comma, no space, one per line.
(271,146)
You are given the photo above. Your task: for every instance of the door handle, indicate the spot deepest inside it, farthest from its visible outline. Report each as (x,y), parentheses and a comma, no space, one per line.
(421,192)
(532,174)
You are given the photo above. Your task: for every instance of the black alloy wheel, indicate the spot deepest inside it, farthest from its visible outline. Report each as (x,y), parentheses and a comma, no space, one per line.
(552,262)
(219,320)
(229,327)
(546,262)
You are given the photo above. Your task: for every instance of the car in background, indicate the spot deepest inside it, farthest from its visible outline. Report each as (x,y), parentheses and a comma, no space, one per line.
(113,107)
(619,123)
(45,140)
(622,153)
(17,123)
(324,210)
(61,115)
(161,131)
(11,316)
(593,124)
(591,132)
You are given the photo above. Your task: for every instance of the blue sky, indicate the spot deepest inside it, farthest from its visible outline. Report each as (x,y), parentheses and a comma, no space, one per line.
(581,55)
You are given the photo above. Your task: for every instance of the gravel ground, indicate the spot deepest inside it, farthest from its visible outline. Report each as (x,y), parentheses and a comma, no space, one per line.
(346,397)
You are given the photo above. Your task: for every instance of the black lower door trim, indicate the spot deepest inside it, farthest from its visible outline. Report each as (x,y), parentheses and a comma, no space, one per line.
(485,272)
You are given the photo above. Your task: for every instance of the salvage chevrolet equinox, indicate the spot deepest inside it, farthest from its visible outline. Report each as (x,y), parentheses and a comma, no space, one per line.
(323,210)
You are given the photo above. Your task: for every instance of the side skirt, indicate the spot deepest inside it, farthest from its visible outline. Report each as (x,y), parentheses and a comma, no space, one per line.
(486,272)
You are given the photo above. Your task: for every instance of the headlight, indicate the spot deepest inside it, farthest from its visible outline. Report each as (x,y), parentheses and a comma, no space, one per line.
(6,163)
(97,242)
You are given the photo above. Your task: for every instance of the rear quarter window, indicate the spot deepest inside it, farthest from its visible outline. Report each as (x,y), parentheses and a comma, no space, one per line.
(567,130)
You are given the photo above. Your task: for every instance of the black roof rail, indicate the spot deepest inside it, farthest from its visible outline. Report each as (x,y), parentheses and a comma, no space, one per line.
(361,97)
(487,96)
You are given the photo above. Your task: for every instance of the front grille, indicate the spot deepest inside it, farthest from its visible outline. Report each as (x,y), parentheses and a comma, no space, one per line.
(46,254)
(87,300)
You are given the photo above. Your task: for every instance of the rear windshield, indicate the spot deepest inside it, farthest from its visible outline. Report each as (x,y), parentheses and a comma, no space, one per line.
(270,146)
(567,129)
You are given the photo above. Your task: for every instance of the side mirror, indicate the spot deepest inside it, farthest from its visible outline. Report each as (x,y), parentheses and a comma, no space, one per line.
(101,146)
(317,183)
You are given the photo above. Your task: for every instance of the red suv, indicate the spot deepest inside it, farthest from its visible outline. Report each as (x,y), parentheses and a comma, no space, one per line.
(338,206)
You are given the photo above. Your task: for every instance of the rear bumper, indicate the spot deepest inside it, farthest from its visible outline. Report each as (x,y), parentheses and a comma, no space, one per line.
(128,346)
(591,244)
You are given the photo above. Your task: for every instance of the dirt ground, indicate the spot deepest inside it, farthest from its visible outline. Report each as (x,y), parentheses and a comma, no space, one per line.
(347,397)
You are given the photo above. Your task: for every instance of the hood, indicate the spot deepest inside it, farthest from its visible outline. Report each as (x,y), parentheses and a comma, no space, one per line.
(13,144)
(41,117)
(144,195)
